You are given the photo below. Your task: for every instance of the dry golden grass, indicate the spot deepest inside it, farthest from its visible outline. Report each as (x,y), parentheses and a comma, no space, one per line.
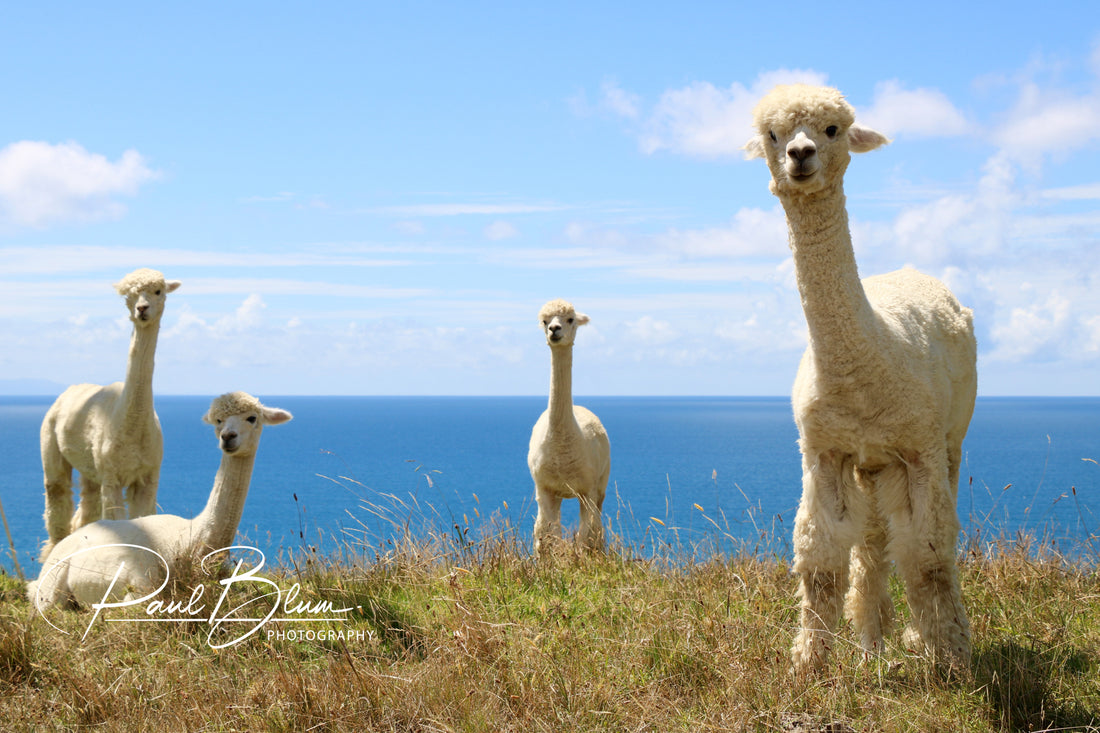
(475,636)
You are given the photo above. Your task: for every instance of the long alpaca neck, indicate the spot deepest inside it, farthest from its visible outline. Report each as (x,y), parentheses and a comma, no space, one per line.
(216,526)
(837,311)
(561,389)
(136,405)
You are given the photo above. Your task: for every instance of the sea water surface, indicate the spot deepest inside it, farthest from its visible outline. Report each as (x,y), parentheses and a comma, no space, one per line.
(715,474)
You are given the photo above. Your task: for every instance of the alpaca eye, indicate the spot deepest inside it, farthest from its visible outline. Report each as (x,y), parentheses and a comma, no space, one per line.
(156,292)
(772,136)
(570,320)
(252,419)
(831,131)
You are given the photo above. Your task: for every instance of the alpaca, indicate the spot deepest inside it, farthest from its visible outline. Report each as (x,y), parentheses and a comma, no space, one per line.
(569,455)
(882,400)
(75,575)
(109,434)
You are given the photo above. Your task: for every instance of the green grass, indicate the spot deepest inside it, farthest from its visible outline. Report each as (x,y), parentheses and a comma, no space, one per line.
(473,635)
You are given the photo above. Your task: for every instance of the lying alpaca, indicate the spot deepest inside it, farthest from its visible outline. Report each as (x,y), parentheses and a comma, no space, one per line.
(76,573)
(882,400)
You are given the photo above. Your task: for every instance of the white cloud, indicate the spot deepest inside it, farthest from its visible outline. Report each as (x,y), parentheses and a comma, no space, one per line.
(704,120)
(1041,126)
(1031,328)
(462,209)
(42,183)
(1084,192)
(914,112)
(619,101)
(701,119)
(499,230)
(411,228)
(753,232)
(649,330)
(118,260)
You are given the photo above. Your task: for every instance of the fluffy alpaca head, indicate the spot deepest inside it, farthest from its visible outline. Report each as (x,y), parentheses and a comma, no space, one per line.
(806,134)
(238,419)
(559,322)
(145,291)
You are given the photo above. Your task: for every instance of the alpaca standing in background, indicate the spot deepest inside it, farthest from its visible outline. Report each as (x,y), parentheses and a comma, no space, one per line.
(569,455)
(111,434)
(83,566)
(882,400)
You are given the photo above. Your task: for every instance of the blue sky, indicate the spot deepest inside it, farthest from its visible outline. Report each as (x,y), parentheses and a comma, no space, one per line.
(369,198)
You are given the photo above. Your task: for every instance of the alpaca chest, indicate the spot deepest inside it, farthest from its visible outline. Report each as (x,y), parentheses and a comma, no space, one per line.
(564,473)
(131,459)
(872,434)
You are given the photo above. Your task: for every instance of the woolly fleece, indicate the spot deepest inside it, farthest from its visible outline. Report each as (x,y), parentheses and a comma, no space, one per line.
(882,401)
(569,454)
(81,569)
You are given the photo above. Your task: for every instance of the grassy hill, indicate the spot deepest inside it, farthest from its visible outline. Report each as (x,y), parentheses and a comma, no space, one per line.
(454,635)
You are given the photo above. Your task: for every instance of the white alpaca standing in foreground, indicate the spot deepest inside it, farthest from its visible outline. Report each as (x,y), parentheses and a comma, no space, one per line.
(882,401)
(76,573)
(110,434)
(569,455)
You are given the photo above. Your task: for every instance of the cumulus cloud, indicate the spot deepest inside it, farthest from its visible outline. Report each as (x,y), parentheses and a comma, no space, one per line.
(1028,329)
(42,184)
(1045,123)
(896,110)
(700,119)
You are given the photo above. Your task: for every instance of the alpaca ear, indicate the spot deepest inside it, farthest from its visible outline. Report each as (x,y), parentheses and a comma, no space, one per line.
(754,148)
(171,285)
(863,139)
(580,318)
(275,416)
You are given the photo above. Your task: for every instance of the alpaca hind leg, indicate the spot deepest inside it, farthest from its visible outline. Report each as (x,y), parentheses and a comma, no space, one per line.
(547,532)
(143,497)
(90,508)
(939,626)
(868,603)
(826,528)
(113,506)
(591,520)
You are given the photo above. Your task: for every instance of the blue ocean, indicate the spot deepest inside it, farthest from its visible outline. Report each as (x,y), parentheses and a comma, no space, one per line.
(703,474)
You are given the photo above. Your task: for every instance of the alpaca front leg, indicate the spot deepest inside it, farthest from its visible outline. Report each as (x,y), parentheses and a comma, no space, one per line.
(591,520)
(547,530)
(59,507)
(823,537)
